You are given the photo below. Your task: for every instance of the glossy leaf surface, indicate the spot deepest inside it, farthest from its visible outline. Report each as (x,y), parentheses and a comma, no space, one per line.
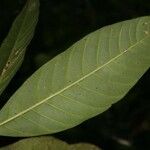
(80,83)
(13,48)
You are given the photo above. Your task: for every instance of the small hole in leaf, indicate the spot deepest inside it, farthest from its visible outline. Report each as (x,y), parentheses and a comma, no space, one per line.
(8,63)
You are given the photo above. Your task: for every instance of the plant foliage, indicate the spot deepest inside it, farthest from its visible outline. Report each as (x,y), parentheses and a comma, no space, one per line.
(13,48)
(80,83)
(47,143)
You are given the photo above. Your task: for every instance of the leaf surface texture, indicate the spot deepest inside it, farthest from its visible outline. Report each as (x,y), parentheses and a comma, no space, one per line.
(81,82)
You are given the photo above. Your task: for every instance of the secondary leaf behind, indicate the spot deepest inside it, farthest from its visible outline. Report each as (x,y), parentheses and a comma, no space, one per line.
(13,48)
(48,143)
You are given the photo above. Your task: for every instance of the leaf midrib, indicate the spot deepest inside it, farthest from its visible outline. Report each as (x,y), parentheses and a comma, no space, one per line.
(67,87)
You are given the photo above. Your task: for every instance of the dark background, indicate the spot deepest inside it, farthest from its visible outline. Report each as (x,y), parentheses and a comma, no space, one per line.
(126,126)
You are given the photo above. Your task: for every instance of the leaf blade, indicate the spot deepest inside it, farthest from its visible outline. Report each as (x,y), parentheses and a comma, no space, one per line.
(47,143)
(80,83)
(13,48)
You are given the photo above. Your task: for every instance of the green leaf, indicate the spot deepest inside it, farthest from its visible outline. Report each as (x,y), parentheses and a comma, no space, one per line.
(38,143)
(13,48)
(80,83)
(47,143)
(83,146)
